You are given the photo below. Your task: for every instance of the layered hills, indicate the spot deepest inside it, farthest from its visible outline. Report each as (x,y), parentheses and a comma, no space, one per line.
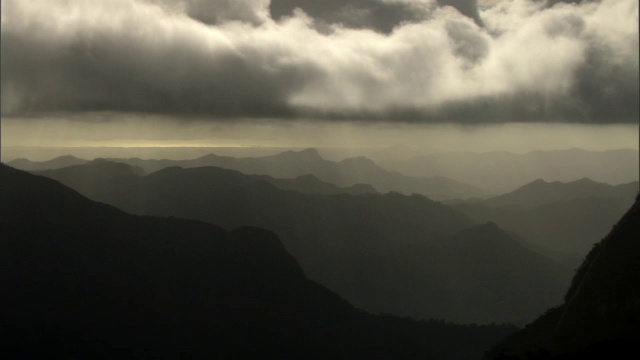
(561,219)
(82,279)
(291,164)
(501,172)
(600,316)
(382,252)
(540,192)
(55,163)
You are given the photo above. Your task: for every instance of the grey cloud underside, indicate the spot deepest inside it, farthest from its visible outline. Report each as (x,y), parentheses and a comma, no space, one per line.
(371,14)
(288,69)
(120,76)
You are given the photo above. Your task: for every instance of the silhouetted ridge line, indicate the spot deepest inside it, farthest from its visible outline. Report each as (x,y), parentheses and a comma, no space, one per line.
(84,280)
(55,163)
(562,220)
(601,313)
(346,173)
(380,251)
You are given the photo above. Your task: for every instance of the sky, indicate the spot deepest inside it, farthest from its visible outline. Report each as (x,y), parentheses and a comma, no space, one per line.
(256,72)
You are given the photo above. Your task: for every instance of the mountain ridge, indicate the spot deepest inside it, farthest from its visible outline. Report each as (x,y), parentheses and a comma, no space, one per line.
(346,173)
(95,282)
(541,192)
(343,241)
(501,171)
(600,316)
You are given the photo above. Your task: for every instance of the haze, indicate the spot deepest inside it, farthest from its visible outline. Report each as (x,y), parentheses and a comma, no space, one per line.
(319,178)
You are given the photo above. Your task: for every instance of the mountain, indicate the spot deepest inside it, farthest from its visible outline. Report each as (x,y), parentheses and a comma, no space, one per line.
(310,184)
(600,316)
(562,220)
(541,192)
(357,245)
(86,178)
(345,173)
(82,280)
(500,172)
(56,163)
(484,274)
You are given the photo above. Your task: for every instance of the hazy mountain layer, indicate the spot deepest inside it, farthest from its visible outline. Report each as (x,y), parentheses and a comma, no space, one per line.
(83,280)
(348,172)
(85,176)
(384,253)
(600,317)
(55,163)
(501,172)
(560,219)
(293,164)
(541,192)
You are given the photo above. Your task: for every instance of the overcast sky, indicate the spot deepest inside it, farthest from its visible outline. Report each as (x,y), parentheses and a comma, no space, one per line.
(363,61)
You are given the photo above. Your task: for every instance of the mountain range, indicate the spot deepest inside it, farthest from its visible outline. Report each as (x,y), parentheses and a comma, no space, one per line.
(82,279)
(55,163)
(292,164)
(562,220)
(500,172)
(540,192)
(600,316)
(363,247)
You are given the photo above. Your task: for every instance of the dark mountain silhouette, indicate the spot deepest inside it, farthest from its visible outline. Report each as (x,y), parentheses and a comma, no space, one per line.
(541,192)
(357,245)
(563,220)
(600,317)
(491,267)
(349,172)
(500,172)
(83,280)
(480,273)
(56,163)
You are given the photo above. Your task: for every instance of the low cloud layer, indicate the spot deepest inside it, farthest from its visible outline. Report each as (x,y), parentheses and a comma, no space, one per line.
(514,61)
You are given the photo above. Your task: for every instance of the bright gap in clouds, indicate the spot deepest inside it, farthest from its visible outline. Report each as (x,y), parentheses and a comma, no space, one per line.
(354,137)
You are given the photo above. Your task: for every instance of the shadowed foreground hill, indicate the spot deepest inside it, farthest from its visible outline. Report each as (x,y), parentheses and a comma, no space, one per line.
(363,247)
(600,317)
(83,280)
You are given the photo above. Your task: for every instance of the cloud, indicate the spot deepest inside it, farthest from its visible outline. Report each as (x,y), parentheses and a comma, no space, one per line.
(227,58)
(219,11)
(379,15)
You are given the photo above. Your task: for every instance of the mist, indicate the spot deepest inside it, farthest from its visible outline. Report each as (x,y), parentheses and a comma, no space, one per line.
(352,179)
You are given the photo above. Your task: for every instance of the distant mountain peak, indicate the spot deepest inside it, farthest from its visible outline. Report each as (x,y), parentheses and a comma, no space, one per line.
(538,182)
(310,153)
(66,157)
(360,160)
(584,180)
(208,156)
(55,163)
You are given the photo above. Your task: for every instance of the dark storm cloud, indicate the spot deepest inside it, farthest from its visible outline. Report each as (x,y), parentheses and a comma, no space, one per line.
(219,11)
(379,15)
(225,59)
(140,64)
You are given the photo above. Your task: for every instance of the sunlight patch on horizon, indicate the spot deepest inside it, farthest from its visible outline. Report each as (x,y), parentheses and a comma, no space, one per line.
(132,132)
